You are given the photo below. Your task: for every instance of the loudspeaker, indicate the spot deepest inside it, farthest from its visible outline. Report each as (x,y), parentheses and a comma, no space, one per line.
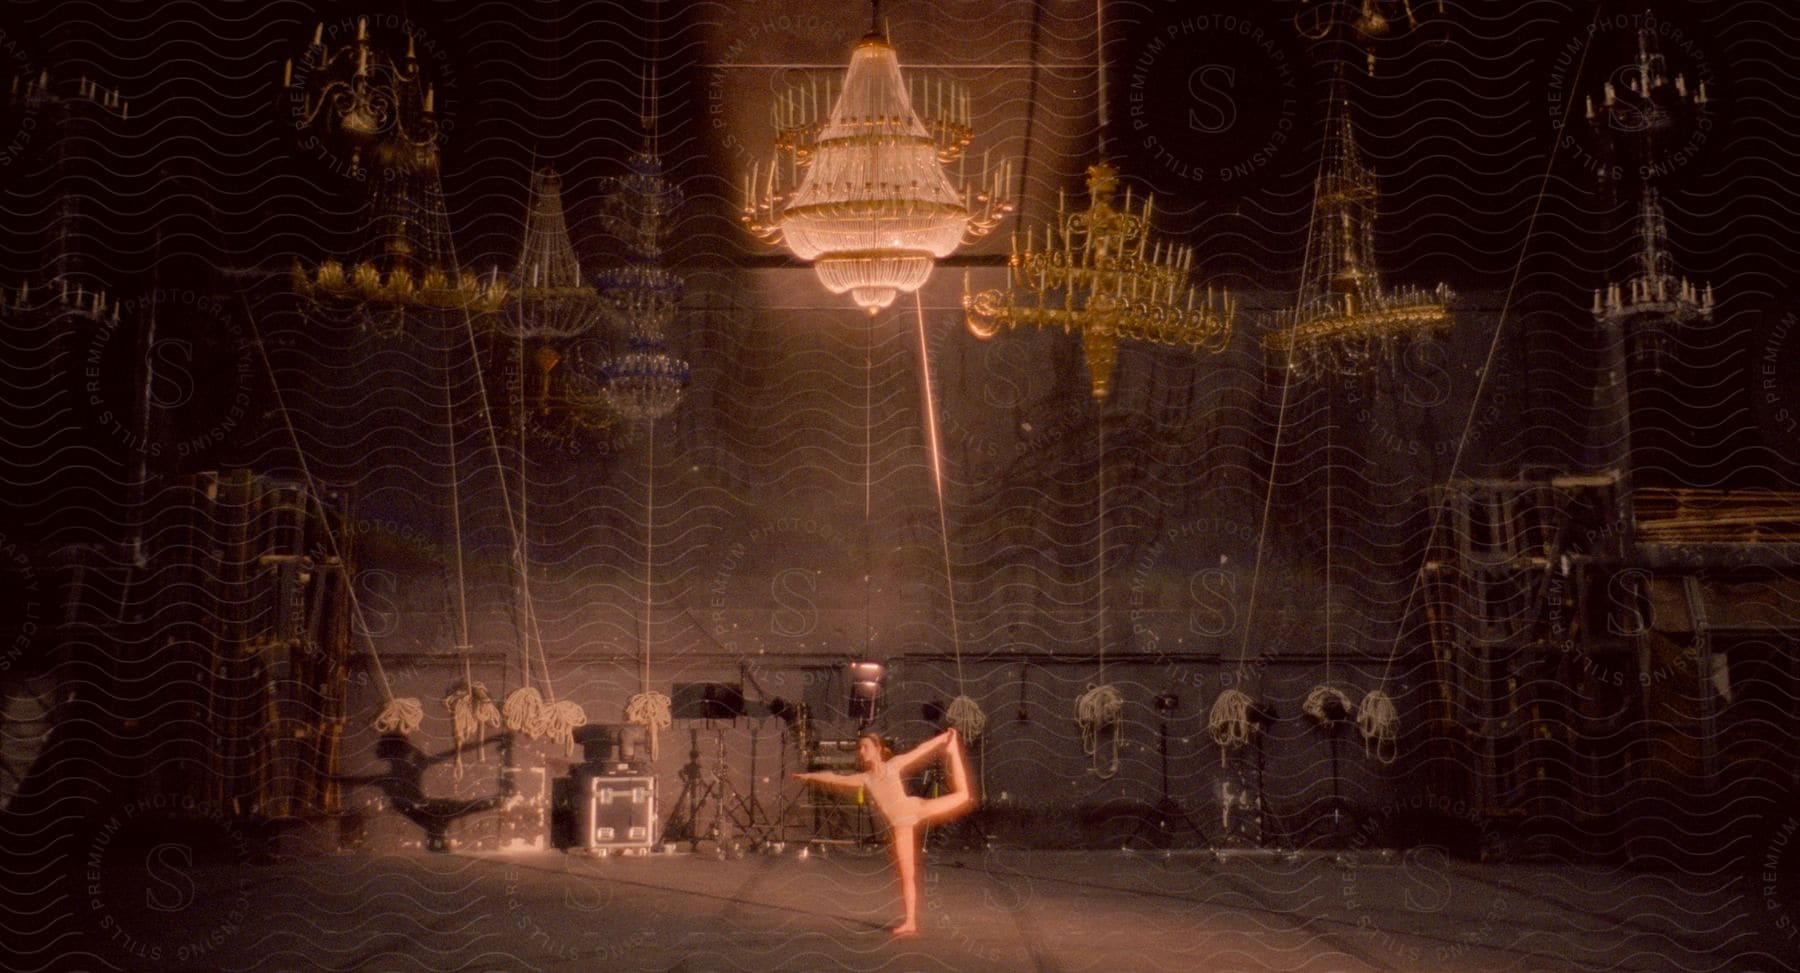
(707,701)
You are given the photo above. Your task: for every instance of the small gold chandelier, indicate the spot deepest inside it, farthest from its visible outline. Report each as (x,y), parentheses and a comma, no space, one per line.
(357,95)
(861,192)
(1100,272)
(1345,322)
(382,111)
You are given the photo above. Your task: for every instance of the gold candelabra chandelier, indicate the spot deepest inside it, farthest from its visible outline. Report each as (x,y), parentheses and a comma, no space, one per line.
(359,95)
(858,186)
(1654,304)
(1345,322)
(381,110)
(1364,22)
(1100,272)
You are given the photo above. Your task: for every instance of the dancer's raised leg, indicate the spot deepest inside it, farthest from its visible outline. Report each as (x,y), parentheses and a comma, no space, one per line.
(961,797)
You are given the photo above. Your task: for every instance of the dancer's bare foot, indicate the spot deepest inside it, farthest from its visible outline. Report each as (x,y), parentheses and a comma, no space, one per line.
(905,929)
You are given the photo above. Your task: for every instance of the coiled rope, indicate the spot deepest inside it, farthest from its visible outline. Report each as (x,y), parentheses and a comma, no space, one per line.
(1315,702)
(471,709)
(1379,722)
(1229,722)
(966,716)
(650,710)
(399,715)
(1096,709)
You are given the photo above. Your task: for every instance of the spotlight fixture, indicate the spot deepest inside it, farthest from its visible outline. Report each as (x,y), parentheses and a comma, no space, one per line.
(865,689)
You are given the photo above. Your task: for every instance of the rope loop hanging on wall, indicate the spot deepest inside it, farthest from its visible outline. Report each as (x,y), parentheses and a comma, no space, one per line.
(1097,708)
(650,710)
(1320,701)
(967,717)
(1229,722)
(471,709)
(1379,722)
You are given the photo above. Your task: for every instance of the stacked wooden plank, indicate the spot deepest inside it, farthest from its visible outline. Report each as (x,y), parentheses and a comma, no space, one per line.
(1673,515)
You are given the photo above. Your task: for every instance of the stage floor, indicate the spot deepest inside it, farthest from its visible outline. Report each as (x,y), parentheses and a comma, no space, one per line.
(991,910)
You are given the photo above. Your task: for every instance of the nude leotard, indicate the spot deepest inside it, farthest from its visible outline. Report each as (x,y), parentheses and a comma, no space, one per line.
(888,793)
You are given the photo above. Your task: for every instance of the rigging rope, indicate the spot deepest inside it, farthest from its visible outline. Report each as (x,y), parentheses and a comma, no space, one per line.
(647,708)
(512,526)
(965,714)
(470,707)
(1101,704)
(1438,510)
(397,715)
(1230,713)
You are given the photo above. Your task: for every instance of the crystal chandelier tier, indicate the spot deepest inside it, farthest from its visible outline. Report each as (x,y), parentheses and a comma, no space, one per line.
(861,192)
(1101,272)
(1344,321)
(646,382)
(642,294)
(640,203)
(550,298)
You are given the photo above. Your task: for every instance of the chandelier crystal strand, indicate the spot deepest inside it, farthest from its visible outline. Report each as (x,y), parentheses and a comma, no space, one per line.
(1345,321)
(861,191)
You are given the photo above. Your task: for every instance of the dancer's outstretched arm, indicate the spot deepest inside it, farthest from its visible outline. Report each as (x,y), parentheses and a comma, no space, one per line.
(826,778)
(905,762)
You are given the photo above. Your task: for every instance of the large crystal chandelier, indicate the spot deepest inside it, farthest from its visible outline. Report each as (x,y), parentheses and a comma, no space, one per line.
(550,300)
(381,111)
(1345,322)
(646,382)
(861,191)
(1101,273)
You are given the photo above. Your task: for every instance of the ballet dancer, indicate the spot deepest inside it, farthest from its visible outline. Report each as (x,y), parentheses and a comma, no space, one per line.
(883,777)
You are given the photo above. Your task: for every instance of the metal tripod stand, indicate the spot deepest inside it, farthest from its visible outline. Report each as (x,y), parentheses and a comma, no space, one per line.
(700,788)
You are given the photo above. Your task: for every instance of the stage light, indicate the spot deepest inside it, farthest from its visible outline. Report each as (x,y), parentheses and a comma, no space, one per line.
(865,689)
